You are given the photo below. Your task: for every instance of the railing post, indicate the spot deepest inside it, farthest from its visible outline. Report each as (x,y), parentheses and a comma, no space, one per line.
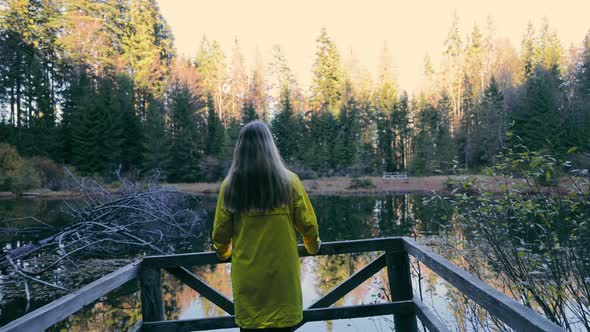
(400,285)
(152,304)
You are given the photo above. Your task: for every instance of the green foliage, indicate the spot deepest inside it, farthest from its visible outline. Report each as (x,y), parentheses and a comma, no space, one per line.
(361,183)
(538,242)
(187,141)
(284,127)
(52,176)
(493,123)
(347,143)
(432,142)
(94,85)
(536,117)
(156,140)
(327,81)
(16,173)
(215,130)
(98,126)
(249,112)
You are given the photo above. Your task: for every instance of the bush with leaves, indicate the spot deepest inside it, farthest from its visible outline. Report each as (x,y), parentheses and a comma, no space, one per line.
(537,240)
(16,173)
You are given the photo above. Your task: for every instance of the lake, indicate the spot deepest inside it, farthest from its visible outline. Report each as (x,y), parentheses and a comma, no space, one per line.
(339,218)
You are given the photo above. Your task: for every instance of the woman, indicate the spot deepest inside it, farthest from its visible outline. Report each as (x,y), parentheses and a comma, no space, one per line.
(260,206)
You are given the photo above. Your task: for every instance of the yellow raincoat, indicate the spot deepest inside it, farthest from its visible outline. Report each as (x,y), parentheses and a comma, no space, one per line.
(265,272)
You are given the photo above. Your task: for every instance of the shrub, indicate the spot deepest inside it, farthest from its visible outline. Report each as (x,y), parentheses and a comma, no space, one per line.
(212,169)
(16,174)
(361,183)
(538,242)
(303,172)
(53,176)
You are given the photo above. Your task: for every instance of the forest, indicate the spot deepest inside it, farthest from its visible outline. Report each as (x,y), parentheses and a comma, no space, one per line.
(98,86)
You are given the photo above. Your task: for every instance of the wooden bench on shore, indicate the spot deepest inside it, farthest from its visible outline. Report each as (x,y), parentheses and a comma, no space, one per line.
(395,175)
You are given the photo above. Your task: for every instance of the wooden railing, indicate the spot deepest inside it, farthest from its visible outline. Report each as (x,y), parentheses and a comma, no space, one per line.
(405,308)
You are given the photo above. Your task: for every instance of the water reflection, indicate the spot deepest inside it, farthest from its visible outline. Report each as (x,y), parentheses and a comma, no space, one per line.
(340,218)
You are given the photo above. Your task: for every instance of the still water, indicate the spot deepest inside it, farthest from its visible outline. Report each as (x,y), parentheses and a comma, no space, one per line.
(339,218)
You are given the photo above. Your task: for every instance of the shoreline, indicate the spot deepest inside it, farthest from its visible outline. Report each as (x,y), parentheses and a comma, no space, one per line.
(332,186)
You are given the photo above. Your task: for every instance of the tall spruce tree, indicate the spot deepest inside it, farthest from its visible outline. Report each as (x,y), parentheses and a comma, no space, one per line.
(248,112)
(347,143)
(215,131)
(186,129)
(327,83)
(493,127)
(283,127)
(148,49)
(156,140)
(536,117)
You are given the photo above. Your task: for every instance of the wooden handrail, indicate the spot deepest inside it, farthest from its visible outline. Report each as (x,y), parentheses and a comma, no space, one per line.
(394,244)
(309,315)
(60,309)
(405,308)
(514,314)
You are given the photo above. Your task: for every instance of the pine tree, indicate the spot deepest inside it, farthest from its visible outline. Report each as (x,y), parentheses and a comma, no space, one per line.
(186,129)
(400,124)
(86,129)
(529,51)
(327,80)
(465,138)
(238,81)
(148,49)
(283,127)
(280,74)
(248,112)
(536,117)
(320,152)
(432,143)
(110,107)
(156,140)
(453,75)
(210,63)
(257,89)
(215,131)
(385,101)
(132,136)
(348,131)
(493,123)
(550,50)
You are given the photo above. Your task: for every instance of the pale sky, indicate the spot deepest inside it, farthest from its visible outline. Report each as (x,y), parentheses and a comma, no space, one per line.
(411,28)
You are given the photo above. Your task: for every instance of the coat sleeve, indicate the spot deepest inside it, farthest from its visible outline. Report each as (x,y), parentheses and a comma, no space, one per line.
(222,229)
(304,218)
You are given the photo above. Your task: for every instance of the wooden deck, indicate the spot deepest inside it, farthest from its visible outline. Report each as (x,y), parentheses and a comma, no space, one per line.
(405,308)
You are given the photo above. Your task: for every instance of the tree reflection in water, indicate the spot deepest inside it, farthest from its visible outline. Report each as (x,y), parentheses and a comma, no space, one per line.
(340,218)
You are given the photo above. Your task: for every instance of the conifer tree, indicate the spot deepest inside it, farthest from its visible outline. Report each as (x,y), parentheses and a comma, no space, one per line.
(493,127)
(348,131)
(148,49)
(284,127)
(186,129)
(248,112)
(328,80)
(132,136)
(156,140)
(215,131)
(238,81)
(536,117)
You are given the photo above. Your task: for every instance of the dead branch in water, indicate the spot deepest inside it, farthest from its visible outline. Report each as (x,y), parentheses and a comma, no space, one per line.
(139,218)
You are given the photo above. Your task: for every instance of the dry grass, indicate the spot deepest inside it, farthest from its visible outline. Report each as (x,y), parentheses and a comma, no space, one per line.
(335,186)
(340,186)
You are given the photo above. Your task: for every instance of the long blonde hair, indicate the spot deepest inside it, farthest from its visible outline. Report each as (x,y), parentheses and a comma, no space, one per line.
(257,178)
